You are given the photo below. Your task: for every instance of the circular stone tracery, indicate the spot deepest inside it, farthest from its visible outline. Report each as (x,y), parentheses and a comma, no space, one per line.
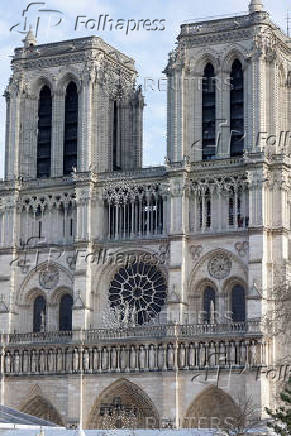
(139,288)
(219,266)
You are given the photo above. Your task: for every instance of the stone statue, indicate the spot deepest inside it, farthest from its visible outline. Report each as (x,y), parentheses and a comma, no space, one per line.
(105,358)
(151,357)
(50,361)
(7,362)
(16,363)
(132,357)
(160,357)
(95,359)
(170,356)
(113,358)
(34,362)
(25,362)
(192,355)
(41,361)
(60,360)
(86,361)
(142,358)
(75,360)
(122,358)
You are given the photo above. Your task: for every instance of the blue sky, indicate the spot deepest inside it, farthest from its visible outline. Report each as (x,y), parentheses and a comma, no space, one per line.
(149,48)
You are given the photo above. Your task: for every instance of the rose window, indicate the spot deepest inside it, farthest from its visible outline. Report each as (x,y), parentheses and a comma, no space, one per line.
(138,292)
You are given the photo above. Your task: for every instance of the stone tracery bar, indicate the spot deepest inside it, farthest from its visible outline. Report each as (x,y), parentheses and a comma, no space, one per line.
(134,211)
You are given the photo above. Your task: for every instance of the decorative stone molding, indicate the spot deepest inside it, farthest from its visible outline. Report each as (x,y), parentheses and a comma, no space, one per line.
(195,251)
(242,248)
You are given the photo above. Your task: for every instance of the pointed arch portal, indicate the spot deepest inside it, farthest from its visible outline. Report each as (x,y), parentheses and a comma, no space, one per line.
(212,407)
(123,405)
(42,408)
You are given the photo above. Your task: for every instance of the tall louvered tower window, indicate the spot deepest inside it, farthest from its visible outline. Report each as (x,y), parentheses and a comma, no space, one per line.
(208,112)
(236,109)
(71,129)
(44,133)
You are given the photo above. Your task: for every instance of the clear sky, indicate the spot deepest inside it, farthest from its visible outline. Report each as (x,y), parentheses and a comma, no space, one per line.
(149,48)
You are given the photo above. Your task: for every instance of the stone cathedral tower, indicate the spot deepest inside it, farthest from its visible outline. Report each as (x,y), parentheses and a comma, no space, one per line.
(147,280)
(63,102)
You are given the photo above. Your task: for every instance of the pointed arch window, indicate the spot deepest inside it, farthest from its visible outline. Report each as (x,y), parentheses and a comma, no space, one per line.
(236,109)
(238,304)
(65,313)
(44,132)
(209,305)
(71,129)
(39,314)
(208,112)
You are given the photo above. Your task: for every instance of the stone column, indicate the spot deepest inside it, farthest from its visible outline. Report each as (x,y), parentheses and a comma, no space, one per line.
(84,122)
(58,122)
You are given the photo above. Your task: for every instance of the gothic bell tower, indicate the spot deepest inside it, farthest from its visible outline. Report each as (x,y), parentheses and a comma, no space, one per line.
(227,87)
(72,105)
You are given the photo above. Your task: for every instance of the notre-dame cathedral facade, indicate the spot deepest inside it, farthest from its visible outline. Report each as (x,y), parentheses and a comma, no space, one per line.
(146,295)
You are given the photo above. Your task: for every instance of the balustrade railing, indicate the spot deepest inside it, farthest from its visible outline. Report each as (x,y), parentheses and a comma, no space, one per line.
(148,331)
(144,356)
(143,348)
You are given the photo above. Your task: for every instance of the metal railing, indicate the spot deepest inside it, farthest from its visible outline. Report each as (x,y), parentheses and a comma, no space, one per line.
(136,332)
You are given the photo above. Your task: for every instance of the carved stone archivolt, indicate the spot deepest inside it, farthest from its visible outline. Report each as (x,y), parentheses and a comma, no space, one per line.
(216,263)
(219,266)
(48,276)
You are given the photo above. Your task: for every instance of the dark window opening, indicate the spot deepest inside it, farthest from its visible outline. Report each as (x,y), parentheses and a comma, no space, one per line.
(238,304)
(208,211)
(65,313)
(44,133)
(40,229)
(71,129)
(208,112)
(39,314)
(236,109)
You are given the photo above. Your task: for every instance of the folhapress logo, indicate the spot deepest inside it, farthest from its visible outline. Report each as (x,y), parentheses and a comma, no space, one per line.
(36,17)
(39,18)
(105,23)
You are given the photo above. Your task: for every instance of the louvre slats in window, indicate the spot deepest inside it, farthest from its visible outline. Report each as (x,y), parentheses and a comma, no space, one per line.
(71,129)
(236,109)
(208,112)
(44,133)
